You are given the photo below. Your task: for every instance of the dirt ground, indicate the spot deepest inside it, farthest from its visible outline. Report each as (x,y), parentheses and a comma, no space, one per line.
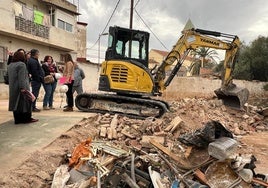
(249,128)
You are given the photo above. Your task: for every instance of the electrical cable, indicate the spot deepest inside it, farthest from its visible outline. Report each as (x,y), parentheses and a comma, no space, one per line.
(106,24)
(136,3)
(150,29)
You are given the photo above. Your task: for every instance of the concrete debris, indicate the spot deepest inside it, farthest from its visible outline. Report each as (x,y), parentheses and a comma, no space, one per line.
(152,153)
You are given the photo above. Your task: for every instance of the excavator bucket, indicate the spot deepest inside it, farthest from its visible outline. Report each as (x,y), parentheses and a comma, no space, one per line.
(234,97)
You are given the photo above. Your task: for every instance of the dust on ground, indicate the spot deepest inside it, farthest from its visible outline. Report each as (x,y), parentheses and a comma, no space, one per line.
(249,127)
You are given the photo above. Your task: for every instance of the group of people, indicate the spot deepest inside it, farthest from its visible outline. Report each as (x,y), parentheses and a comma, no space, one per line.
(25,70)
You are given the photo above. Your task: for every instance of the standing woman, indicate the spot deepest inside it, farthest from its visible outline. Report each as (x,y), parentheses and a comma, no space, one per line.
(50,69)
(68,73)
(18,85)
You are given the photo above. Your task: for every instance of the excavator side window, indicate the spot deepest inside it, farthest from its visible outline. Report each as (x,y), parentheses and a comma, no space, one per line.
(119,48)
(110,41)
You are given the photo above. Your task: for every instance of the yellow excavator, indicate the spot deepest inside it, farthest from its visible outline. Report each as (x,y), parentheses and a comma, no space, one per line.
(127,85)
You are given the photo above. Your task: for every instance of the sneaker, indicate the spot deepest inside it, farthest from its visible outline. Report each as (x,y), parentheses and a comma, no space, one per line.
(68,109)
(51,108)
(46,108)
(36,110)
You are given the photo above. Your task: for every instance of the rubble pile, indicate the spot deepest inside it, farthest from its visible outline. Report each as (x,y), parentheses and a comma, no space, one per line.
(195,145)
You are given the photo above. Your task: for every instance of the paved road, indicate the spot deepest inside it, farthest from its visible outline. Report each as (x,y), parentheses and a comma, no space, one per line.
(18,141)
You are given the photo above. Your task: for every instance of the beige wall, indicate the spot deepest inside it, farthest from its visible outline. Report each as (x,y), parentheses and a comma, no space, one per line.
(180,87)
(202,87)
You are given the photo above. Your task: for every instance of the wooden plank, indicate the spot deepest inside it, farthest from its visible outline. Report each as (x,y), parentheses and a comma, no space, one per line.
(169,153)
(201,177)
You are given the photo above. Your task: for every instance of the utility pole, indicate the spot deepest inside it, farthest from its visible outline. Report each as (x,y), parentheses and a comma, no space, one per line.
(131,14)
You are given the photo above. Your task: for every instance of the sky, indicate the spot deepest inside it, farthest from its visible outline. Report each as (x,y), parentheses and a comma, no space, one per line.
(166,18)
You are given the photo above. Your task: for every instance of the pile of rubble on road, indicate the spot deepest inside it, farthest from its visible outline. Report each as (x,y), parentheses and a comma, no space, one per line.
(173,151)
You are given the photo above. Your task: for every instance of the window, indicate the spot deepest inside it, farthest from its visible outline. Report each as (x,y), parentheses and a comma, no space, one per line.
(61,24)
(134,47)
(62,57)
(52,16)
(69,27)
(64,25)
(110,40)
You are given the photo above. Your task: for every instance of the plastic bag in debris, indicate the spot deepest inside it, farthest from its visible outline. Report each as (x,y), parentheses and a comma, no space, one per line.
(61,176)
(203,136)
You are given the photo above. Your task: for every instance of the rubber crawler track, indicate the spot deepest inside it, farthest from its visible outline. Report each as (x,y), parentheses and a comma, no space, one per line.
(83,102)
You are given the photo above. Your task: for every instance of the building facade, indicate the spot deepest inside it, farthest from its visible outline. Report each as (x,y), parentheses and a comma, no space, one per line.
(49,26)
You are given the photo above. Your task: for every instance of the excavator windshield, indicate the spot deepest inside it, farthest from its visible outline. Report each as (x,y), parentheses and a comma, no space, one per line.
(128,44)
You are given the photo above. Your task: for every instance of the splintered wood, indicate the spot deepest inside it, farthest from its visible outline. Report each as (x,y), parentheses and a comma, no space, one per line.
(174,124)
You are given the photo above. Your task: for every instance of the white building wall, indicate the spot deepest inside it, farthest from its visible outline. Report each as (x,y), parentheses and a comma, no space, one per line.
(64,17)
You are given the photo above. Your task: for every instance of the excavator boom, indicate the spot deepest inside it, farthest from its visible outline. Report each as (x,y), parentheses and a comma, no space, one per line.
(192,39)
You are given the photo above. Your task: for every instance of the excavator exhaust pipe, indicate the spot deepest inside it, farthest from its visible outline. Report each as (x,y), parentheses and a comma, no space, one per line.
(234,97)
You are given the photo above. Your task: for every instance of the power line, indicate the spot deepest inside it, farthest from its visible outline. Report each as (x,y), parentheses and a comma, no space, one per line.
(136,3)
(150,29)
(106,24)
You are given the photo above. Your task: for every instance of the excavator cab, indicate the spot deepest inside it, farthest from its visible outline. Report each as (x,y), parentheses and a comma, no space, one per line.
(126,44)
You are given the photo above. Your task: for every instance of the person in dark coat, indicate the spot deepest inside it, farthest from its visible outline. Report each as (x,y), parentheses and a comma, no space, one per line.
(37,74)
(9,60)
(18,86)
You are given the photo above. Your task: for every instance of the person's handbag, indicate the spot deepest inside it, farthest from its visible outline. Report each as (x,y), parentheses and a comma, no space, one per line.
(48,79)
(29,95)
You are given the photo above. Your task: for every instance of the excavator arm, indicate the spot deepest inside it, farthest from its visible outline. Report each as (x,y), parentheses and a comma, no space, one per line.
(191,40)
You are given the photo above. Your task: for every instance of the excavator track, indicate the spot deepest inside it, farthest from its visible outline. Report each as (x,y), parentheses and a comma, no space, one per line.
(133,107)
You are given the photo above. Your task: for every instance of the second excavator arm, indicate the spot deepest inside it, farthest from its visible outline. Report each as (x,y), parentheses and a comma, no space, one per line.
(191,40)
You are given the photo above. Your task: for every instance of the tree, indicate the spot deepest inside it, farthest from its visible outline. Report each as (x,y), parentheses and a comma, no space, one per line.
(204,54)
(195,68)
(253,61)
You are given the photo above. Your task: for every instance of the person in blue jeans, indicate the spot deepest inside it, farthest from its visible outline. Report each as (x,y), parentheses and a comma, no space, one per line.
(37,76)
(50,69)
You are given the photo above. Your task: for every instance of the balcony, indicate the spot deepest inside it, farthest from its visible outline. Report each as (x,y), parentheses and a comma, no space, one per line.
(30,27)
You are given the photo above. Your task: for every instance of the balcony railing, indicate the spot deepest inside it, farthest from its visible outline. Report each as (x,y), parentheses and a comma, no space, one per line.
(30,27)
